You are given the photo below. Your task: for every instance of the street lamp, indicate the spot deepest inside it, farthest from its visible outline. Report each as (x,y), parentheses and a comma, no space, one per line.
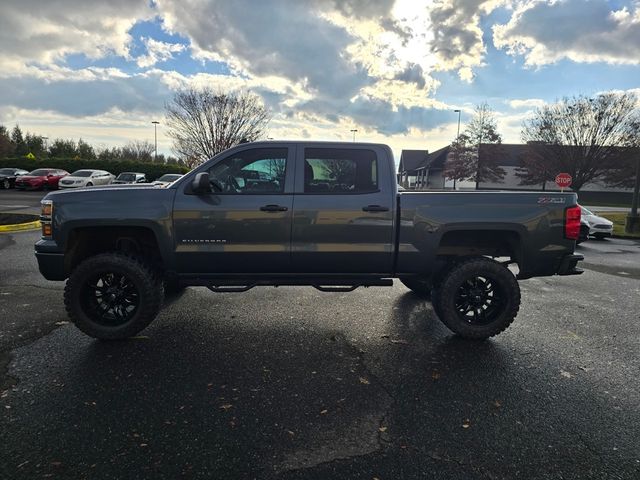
(354,130)
(155,134)
(458,112)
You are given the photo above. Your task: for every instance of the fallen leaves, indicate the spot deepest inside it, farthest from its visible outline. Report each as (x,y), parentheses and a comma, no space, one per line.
(565,374)
(226,406)
(324,412)
(364,381)
(466,423)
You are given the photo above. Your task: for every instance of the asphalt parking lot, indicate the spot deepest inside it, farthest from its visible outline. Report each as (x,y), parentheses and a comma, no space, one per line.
(293,383)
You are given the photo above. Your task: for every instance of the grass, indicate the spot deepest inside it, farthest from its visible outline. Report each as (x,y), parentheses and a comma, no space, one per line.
(619,219)
(604,204)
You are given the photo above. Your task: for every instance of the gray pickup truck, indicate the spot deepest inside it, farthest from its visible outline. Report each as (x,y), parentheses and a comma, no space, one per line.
(327,215)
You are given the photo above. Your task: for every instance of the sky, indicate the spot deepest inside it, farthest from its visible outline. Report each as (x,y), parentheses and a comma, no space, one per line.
(395,70)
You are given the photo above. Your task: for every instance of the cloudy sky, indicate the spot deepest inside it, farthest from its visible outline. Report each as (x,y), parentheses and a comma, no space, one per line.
(394,70)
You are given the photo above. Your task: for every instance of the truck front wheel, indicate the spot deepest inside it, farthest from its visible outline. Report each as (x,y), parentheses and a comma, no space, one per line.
(478,298)
(113,296)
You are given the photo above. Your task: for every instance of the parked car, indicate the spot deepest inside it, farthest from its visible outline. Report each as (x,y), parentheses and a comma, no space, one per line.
(86,178)
(40,179)
(599,227)
(130,177)
(167,179)
(583,236)
(206,229)
(8,176)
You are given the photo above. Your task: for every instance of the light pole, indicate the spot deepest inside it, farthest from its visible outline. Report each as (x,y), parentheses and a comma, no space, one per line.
(458,112)
(155,135)
(354,130)
(45,143)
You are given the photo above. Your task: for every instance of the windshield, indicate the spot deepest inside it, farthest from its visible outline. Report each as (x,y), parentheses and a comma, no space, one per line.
(169,177)
(82,173)
(127,177)
(586,212)
(41,172)
(6,171)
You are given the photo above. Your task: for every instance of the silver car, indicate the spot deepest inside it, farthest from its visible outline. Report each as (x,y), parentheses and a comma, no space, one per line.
(599,227)
(86,178)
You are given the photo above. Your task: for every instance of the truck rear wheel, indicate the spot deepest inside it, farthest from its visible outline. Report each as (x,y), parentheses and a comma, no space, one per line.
(418,285)
(478,298)
(113,296)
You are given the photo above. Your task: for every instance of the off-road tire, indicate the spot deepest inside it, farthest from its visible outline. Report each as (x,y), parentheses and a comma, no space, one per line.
(146,281)
(418,285)
(450,292)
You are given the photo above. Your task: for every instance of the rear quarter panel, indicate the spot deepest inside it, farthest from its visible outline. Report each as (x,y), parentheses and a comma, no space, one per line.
(536,217)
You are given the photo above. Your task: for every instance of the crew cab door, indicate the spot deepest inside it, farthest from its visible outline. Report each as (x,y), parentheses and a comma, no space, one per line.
(343,211)
(244,224)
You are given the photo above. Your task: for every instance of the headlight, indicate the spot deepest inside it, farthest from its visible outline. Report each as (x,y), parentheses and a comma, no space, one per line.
(46,218)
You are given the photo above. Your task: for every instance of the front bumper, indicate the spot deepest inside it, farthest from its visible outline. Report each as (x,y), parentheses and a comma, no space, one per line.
(50,262)
(568,265)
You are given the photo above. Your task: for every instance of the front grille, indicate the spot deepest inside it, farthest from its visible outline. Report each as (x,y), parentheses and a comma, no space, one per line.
(600,225)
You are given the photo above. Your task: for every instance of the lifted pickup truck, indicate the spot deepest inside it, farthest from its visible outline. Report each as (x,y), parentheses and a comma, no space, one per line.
(327,215)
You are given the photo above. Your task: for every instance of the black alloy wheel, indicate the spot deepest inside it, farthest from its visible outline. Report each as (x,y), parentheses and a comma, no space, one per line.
(113,295)
(112,299)
(477,298)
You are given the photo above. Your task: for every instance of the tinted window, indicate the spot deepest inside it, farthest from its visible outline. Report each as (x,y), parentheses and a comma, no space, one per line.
(80,173)
(41,172)
(127,177)
(169,177)
(340,171)
(260,170)
(6,171)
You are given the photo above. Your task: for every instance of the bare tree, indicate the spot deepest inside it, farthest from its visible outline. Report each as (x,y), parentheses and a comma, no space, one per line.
(138,150)
(465,161)
(204,122)
(581,136)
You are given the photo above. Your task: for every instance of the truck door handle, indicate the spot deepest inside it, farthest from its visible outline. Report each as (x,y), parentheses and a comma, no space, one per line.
(375,208)
(273,208)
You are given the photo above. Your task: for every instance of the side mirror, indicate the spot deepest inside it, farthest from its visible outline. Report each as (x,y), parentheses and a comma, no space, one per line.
(201,183)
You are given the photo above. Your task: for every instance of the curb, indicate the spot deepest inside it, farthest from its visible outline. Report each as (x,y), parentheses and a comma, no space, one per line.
(18,227)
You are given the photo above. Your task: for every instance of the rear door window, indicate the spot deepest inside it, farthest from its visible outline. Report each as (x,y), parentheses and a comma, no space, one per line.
(340,171)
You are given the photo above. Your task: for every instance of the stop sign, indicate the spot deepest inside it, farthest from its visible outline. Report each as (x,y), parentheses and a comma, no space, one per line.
(563,180)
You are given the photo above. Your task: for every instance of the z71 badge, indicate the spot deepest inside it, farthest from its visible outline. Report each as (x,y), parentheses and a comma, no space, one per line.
(545,200)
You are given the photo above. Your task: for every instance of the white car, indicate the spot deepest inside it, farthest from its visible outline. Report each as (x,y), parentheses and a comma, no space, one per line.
(167,179)
(86,178)
(599,227)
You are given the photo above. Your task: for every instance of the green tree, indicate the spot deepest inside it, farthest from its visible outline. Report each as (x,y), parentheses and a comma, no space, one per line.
(464,161)
(85,151)
(61,148)
(35,145)
(20,147)
(6,146)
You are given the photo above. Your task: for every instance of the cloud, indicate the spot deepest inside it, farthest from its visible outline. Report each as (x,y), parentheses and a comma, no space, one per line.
(545,32)
(457,36)
(158,52)
(33,31)
(526,103)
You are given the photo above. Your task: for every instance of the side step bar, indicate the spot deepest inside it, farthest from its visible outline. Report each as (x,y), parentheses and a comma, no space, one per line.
(321,284)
